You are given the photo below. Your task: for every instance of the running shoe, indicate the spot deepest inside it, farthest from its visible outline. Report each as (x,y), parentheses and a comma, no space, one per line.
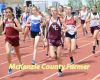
(9,71)
(33,62)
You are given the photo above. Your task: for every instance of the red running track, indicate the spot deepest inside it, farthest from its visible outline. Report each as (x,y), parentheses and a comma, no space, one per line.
(82,56)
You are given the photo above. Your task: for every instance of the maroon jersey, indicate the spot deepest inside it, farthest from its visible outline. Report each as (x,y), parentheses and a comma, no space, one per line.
(54,30)
(70,21)
(10,31)
(12,35)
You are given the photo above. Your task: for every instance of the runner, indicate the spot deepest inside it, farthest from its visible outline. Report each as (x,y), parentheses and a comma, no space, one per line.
(70,34)
(82,15)
(46,30)
(34,22)
(61,11)
(94,19)
(24,17)
(54,37)
(4,18)
(61,14)
(12,28)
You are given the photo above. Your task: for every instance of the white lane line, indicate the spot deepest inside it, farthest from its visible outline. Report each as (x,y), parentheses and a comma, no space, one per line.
(31,54)
(21,58)
(98,75)
(20,49)
(31,46)
(39,62)
(77,62)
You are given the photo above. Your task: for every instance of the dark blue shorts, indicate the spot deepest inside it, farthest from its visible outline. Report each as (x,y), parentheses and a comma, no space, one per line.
(34,34)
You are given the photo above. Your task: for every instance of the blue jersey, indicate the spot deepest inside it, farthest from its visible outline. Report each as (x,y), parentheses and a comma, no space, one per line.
(35,23)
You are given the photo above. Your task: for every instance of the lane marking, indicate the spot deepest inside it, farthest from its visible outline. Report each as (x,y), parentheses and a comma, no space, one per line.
(39,62)
(77,62)
(98,75)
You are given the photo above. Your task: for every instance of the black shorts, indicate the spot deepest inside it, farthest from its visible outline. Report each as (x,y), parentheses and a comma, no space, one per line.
(82,21)
(34,34)
(92,29)
(70,36)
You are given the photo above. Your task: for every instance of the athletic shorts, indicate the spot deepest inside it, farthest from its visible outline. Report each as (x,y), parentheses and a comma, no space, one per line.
(55,43)
(70,36)
(82,21)
(34,34)
(13,41)
(92,29)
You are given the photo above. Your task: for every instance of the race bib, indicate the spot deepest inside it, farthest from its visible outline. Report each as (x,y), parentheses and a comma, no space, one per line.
(71,29)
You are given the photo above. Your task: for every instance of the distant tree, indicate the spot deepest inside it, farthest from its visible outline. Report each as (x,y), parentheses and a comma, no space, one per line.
(98,5)
(76,4)
(70,3)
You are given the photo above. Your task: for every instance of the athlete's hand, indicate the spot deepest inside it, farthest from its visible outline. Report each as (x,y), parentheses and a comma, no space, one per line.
(44,39)
(40,33)
(14,26)
(3,33)
(24,40)
(64,30)
(84,26)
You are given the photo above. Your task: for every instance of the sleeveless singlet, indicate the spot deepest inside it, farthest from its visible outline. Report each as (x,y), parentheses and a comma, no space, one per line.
(35,23)
(71,23)
(54,30)
(94,22)
(10,31)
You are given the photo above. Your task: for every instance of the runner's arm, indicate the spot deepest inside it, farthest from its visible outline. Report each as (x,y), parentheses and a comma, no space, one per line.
(1,22)
(64,26)
(47,24)
(27,28)
(87,18)
(76,18)
(18,28)
(41,25)
(21,18)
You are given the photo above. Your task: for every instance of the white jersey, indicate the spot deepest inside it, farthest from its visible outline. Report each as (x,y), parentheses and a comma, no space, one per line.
(24,19)
(94,19)
(71,25)
(83,15)
(71,29)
